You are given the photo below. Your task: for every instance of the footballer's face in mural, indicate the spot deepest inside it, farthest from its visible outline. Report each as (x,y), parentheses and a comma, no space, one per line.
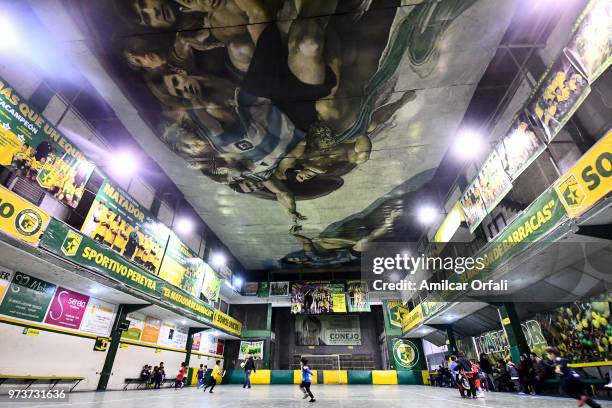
(329,108)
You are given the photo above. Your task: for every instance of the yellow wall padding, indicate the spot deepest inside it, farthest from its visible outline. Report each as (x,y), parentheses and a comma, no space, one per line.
(335,377)
(384,377)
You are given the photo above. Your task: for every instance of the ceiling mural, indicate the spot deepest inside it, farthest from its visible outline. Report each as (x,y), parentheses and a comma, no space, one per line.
(310,123)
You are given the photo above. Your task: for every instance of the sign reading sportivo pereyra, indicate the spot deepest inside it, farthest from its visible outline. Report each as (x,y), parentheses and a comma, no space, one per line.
(71,244)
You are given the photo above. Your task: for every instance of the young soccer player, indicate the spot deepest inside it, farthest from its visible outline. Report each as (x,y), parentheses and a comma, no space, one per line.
(570,380)
(306,380)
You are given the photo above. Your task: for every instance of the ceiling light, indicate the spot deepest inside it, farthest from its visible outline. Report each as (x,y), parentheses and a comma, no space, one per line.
(184,225)
(218,259)
(468,145)
(427,214)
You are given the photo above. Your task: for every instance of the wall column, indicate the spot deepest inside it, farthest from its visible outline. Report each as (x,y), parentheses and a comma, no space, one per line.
(512,326)
(191,332)
(119,325)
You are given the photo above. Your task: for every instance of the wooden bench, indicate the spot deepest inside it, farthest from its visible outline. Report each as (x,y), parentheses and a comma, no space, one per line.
(141,382)
(29,380)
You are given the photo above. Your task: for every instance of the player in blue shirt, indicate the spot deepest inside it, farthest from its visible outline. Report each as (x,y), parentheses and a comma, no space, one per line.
(306,380)
(570,379)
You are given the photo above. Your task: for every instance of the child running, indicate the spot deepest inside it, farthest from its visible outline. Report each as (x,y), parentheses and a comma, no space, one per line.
(216,377)
(570,379)
(306,380)
(180,377)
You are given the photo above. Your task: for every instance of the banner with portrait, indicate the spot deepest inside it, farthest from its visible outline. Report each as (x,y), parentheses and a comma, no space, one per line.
(34,149)
(317,298)
(211,285)
(590,48)
(182,267)
(118,221)
(560,93)
(519,147)
(487,189)
(327,330)
(358,296)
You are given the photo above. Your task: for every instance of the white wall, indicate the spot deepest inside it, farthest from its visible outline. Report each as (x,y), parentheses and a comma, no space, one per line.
(50,354)
(56,354)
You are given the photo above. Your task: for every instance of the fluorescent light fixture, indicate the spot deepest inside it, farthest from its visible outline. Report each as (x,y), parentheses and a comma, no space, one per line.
(427,214)
(93,290)
(218,259)
(183,321)
(10,38)
(468,144)
(184,225)
(123,163)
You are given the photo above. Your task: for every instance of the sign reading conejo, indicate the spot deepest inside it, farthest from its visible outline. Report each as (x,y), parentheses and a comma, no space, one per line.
(34,149)
(70,244)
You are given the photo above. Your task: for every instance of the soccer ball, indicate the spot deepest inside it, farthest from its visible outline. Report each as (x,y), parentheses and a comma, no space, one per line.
(242,364)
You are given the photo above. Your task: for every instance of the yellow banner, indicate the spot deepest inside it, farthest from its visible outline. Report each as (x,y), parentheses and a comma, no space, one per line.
(227,323)
(589,180)
(412,318)
(20,218)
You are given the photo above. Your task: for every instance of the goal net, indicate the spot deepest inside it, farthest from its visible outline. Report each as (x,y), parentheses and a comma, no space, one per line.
(325,362)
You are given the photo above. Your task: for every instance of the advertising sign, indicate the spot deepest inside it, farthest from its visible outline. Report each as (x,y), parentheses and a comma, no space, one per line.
(134,332)
(182,267)
(70,244)
(561,92)
(6,276)
(21,219)
(118,221)
(589,180)
(358,296)
(150,332)
(316,298)
(98,317)
(33,148)
(327,330)
(590,49)
(27,298)
(211,286)
(67,308)
(251,348)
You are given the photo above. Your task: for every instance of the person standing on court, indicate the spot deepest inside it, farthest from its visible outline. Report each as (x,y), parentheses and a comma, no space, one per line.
(181,376)
(249,367)
(306,380)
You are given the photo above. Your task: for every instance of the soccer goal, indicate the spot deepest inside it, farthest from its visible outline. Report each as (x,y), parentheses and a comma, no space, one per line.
(325,362)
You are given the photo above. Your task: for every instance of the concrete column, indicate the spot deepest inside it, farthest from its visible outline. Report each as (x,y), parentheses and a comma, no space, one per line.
(512,326)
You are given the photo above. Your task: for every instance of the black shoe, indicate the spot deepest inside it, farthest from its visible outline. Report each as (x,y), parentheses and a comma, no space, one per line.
(210,392)
(312,400)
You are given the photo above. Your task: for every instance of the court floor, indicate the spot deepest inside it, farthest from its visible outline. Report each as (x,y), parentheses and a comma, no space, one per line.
(268,396)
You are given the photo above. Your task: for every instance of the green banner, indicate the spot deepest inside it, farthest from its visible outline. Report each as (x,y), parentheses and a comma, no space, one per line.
(70,244)
(183,300)
(33,148)
(118,221)
(535,222)
(27,298)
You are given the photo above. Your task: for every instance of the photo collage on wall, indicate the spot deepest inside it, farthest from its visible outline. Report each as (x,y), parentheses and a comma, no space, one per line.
(318,298)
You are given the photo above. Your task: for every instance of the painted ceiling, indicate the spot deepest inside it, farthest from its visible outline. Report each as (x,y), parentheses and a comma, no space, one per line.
(299,130)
